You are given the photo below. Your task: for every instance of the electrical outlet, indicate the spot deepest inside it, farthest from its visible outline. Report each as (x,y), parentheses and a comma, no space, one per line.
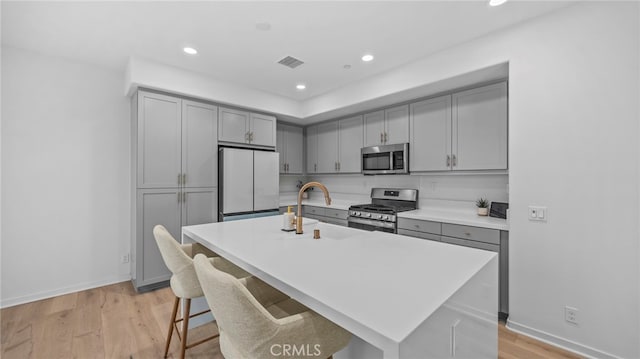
(124,258)
(571,315)
(538,213)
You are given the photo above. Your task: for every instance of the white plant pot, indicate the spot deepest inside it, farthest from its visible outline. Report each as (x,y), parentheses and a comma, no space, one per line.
(483,211)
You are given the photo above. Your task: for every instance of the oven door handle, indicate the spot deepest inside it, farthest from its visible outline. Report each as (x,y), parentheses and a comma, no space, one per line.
(371,222)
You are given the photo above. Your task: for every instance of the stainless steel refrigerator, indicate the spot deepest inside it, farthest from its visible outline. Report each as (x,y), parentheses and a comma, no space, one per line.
(249,183)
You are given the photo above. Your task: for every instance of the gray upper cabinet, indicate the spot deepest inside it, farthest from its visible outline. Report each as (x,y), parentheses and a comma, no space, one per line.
(430,128)
(350,136)
(334,147)
(262,130)
(289,145)
(233,125)
(480,128)
(374,128)
(312,148)
(199,150)
(397,125)
(159,141)
(328,147)
(236,126)
(389,126)
(460,132)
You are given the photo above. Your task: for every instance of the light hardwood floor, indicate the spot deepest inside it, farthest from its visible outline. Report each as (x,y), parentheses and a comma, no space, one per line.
(115,322)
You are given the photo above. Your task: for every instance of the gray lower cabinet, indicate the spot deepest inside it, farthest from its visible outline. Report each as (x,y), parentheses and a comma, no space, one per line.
(154,206)
(475,237)
(421,229)
(172,208)
(327,215)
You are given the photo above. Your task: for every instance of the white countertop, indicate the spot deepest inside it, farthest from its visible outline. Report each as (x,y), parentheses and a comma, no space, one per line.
(377,285)
(463,216)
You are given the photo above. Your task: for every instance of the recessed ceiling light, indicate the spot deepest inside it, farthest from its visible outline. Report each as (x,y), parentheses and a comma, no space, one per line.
(190,50)
(301,86)
(347,67)
(367,57)
(497,2)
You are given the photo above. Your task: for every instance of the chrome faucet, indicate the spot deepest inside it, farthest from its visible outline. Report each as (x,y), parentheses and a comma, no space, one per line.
(327,199)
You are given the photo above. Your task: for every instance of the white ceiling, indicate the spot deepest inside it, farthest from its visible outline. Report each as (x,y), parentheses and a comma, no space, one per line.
(325,35)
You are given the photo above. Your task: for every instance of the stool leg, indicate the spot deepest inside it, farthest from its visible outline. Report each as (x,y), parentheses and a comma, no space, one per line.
(171,324)
(185,326)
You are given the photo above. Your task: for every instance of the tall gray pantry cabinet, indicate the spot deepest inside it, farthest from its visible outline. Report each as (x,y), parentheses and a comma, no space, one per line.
(174,176)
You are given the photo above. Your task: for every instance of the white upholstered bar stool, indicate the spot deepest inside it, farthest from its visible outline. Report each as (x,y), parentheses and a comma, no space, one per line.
(184,282)
(257,321)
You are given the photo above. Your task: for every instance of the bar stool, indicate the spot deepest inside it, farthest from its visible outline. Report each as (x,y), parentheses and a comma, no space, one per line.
(184,282)
(257,321)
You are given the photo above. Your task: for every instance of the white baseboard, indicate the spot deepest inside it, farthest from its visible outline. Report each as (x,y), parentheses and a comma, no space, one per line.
(556,341)
(10,302)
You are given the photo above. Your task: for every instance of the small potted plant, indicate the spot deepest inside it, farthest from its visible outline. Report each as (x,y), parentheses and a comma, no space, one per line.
(305,194)
(483,206)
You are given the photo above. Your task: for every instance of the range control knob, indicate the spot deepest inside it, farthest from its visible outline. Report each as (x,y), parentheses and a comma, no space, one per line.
(368,215)
(386,218)
(379,216)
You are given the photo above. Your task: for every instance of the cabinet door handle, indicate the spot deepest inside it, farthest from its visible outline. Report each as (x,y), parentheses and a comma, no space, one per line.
(381,137)
(454,160)
(184,178)
(184,197)
(287,167)
(179,179)
(246,136)
(452,340)
(250,137)
(178,197)
(385,137)
(448,161)
(315,167)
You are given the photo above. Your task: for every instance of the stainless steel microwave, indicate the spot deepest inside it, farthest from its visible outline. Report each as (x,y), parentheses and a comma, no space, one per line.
(386,159)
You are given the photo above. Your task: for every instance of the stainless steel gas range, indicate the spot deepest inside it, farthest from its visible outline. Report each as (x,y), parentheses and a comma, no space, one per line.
(380,214)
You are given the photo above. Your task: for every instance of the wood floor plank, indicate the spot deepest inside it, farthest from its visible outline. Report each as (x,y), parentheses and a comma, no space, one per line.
(53,335)
(63,302)
(116,322)
(117,331)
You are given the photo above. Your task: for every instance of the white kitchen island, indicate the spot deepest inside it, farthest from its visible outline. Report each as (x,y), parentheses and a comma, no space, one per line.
(401,297)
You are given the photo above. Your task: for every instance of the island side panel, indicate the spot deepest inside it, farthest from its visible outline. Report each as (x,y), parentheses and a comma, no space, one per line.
(465,326)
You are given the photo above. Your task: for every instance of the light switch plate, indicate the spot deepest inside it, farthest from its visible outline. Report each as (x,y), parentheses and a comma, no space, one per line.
(538,213)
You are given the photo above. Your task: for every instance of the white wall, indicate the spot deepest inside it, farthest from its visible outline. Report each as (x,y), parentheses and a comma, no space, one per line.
(574,87)
(65,176)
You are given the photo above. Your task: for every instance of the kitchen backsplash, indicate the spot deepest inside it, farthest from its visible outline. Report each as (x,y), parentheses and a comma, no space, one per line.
(433,188)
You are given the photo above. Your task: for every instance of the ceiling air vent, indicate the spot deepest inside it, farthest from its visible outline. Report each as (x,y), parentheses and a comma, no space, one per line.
(291,62)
